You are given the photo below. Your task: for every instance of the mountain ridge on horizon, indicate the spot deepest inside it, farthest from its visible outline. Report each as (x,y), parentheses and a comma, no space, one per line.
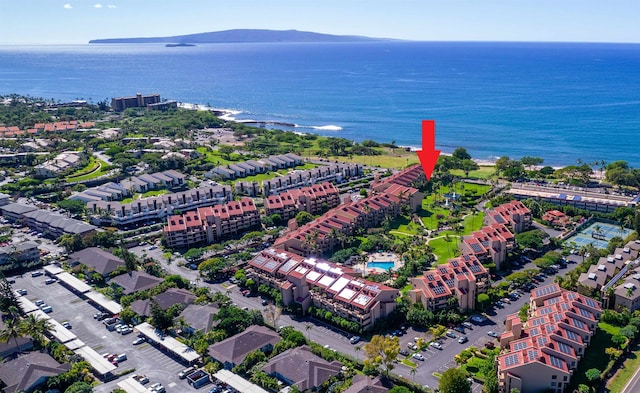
(241,36)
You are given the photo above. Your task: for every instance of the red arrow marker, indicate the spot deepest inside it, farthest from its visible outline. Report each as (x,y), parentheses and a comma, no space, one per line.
(428,155)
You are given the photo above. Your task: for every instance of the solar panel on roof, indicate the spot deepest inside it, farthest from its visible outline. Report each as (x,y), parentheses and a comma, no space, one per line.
(475,268)
(450,282)
(585,313)
(510,360)
(562,196)
(556,362)
(590,302)
(521,345)
(439,290)
(564,348)
(577,198)
(430,277)
(476,247)
(578,323)
(571,335)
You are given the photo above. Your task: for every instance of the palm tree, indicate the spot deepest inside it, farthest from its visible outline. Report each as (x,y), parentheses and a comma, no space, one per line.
(357,349)
(36,327)
(413,373)
(12,330)
(629,292)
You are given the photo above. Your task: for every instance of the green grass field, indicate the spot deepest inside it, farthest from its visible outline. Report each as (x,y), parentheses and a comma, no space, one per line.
(624,374)
(94,169)
(484,172)
(444,249)
(147,194)
(595,355)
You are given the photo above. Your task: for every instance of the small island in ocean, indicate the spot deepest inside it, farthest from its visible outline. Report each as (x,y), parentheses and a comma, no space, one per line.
(178,45)
(240,36)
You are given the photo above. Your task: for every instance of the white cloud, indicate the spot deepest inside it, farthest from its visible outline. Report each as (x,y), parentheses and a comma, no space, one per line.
(111,6)
(68,6)
(97,5)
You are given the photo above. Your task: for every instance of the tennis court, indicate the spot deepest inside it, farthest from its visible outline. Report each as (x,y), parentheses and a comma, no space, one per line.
(598,234)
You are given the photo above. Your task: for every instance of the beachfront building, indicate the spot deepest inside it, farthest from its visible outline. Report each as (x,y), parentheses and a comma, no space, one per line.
(514,215)
(584,199)
(156,208)
(252,167)
(210,224)
(137,101)
(491,243)
(314,199)
(456,283)
(311,281)
(542,353)
(324,233)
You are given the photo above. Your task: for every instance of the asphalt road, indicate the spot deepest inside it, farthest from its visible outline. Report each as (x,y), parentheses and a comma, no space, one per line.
(633,385)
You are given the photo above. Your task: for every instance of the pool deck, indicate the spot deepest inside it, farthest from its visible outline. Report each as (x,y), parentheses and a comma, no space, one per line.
(380,257)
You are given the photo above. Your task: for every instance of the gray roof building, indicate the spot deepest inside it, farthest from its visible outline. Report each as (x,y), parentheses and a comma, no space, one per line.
(199,317)
(28,371)
(300,367)
(100,260)
(165,300)
(136,281)
(365,384)
(233,350)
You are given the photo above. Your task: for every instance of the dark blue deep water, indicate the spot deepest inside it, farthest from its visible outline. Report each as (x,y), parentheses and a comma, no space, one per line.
(562,102)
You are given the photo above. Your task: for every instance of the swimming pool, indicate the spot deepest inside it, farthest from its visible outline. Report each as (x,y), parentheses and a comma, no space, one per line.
(386,265)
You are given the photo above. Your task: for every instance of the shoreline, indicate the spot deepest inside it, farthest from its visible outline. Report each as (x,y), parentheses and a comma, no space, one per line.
(230,115)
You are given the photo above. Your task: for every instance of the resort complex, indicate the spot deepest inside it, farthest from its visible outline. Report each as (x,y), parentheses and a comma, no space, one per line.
(315,282)
(155,246)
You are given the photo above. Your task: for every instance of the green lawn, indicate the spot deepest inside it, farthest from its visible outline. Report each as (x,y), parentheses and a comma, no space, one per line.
(94,169)
(473,366)
(595,356)
(147,194)
(484,172)
(624,374)
(444,249)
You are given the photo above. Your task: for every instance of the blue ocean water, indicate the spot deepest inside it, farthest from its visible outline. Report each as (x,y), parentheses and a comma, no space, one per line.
(562,102)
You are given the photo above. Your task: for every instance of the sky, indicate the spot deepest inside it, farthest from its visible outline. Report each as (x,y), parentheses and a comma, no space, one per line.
(78,21)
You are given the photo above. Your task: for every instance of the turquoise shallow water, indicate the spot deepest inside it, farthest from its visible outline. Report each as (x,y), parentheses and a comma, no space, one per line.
(562,102)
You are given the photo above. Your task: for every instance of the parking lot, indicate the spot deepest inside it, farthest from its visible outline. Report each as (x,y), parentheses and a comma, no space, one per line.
(67,306)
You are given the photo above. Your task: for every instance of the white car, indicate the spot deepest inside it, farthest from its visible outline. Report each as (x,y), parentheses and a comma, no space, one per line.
(418,356)
(436,345)
(492,334)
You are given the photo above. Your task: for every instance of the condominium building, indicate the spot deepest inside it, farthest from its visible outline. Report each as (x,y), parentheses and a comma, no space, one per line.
(208,225)
(491,243)
(326,173)
(156,208)
(544,351)
(412,176)
(600,274)
(322,234)
(455,283)
(137,101)
(310,281)
(514,215)
(313,199)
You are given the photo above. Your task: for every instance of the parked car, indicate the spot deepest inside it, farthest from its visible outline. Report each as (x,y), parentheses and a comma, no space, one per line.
(46,308)
(467,325)
(404,352)
(157,388)
(459,329)
(21,292)
(121,358)
(463,339)
(492,334)
(142,379)
(50,281)
(139,341)
(418,356)
(436,345)
(354,339)
(126,330)
(37,274)
(499,304)
(183,374)
(412,346)
(505,300)
(450,334)
(66,324)
(477,319)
